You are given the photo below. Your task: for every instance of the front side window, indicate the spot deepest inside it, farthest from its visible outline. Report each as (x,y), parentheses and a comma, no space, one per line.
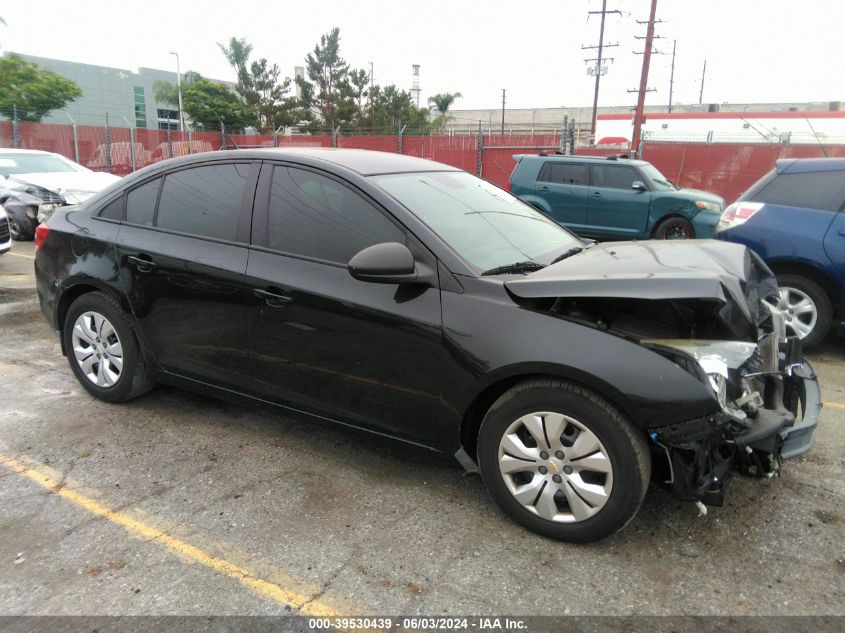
(612,176)
(203,201)
(311,215)
(485,225)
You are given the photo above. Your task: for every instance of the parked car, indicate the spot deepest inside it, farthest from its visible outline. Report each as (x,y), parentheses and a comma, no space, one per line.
(5,235)
(118,157)
(163,151)
(613,198)
(793,218)
(408,298)
(34,183)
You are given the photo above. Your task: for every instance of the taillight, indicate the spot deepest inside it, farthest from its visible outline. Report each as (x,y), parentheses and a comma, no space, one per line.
(737,213)
(41,233)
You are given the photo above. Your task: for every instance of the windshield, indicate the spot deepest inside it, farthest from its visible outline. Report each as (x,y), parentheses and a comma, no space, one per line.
(660,182)
(32,164)
(485,225)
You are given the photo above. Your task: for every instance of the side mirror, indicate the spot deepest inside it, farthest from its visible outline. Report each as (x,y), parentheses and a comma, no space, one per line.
(638,185)
(385,263)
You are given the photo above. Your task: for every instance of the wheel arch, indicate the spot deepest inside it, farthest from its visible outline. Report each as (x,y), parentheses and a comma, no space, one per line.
(670,216)
(497,385)
(71,291)
(805,269)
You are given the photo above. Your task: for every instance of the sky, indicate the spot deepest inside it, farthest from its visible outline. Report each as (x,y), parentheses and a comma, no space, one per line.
(756,50)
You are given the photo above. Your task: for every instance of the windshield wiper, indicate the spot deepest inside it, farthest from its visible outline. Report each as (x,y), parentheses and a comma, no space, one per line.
(569,253)
(518,267)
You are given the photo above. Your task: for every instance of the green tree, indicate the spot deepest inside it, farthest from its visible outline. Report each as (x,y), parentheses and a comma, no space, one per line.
(34,90)
(327,91)
(442,101)
(358,82)
(260,86)
(209,103)
(167,92)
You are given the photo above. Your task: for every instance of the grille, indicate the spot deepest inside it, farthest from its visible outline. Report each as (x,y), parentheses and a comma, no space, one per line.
(4,231)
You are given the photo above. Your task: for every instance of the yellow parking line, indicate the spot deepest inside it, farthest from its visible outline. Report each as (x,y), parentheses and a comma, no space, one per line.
(19,255)
(50,480)
(835,405)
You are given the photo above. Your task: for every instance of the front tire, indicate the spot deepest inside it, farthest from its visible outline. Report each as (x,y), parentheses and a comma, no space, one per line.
(102,350)
(674,229)
(562,461)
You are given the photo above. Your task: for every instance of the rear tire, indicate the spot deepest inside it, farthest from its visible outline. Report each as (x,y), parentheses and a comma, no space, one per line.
(794,290)
(102,349)
(588,466)
(674,229)
(21,232)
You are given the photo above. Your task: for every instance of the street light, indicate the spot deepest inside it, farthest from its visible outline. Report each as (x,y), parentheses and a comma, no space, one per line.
(179,91)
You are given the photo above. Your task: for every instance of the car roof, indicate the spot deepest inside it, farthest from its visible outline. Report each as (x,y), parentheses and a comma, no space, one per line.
(581,158)
(365,162)
(805,165)
(9,150)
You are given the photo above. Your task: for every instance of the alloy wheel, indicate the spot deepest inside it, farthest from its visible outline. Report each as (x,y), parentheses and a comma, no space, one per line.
(97,349)
(555,467)
(799,311)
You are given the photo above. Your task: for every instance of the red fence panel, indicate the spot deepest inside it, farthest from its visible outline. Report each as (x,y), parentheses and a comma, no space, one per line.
(379,143)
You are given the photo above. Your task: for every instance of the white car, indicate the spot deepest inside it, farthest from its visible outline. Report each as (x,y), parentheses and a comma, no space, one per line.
(33,183)
(5,236)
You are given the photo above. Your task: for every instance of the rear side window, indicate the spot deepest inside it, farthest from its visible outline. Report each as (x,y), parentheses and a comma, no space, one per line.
(204,201)
(813,190)
(141,203)
(612,176)
(564,174)
(113,210)
(314,216)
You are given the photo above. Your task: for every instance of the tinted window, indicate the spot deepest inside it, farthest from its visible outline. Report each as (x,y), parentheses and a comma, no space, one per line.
(814,190)
(113,210)
(203,201)
(612,176)
(564,174)
(315,216)
(141,203)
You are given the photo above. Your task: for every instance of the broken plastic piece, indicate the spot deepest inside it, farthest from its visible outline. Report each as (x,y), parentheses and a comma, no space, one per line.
(702,509)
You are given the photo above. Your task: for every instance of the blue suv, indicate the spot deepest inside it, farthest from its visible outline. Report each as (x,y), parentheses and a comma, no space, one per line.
(794,218)
(613,198)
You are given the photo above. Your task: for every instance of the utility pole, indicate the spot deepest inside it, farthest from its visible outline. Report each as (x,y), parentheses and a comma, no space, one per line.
(638,115)
(503,111)
(598,59)
(372,101)
(672,74)
(179,91)
(701,92)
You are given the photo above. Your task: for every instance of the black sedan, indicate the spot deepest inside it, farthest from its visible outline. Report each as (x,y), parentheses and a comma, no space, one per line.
(410,299)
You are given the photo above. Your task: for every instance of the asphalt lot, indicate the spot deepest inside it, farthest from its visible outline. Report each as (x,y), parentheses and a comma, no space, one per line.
(176,504)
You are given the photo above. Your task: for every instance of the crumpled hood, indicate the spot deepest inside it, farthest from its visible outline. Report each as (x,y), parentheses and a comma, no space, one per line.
(74,186)
(654,269)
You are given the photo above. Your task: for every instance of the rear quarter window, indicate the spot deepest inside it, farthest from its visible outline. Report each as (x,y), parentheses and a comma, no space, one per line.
(563,174)
(811,190)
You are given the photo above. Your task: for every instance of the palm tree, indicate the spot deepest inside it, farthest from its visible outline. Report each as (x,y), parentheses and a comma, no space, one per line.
(442,101)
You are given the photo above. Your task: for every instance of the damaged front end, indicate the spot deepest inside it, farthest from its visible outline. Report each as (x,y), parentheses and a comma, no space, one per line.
(770,403)
(703,307)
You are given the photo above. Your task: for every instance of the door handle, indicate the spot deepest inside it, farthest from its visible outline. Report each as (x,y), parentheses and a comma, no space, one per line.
(842,232)
(544,188)
(597,194)
(143,263)
(272,297)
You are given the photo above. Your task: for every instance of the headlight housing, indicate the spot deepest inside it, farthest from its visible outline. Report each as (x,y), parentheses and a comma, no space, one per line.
(717,359)
(704,205)
(45,210)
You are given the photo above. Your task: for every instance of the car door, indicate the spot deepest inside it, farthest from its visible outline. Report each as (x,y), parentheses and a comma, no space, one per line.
(564,186)
(615,208)
(183,252)
(362,353)
(834,246)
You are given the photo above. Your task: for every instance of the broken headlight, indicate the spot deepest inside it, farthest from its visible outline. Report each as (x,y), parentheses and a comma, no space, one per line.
(717,360)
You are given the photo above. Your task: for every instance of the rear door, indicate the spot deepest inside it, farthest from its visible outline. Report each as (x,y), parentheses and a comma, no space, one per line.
(616,209)
(368,354)
(183,253)
(564,186)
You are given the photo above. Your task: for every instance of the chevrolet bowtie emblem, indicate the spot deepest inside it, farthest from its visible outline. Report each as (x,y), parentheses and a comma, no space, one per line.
(553,466)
